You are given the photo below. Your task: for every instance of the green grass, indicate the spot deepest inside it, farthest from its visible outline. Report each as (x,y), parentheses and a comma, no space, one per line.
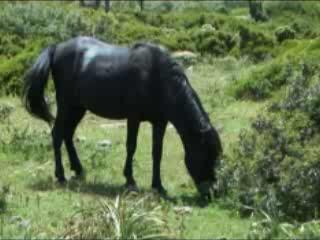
(33,205)
(39,207)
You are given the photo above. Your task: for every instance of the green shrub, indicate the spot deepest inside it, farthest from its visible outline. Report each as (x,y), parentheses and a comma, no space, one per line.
(283,8)
(301,16)
(44,20)
(10,45)
(138,31)
(255,44)
(284,33)
(275,167)
(5,111)
(261,81)
(304,28)
(211,41)
(13,70)
(270,228)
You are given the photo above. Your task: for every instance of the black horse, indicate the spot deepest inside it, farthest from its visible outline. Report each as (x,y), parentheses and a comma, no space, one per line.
(140,83)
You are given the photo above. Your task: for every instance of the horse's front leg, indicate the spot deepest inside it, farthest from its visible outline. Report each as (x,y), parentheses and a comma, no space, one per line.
(132,133)
(158,130)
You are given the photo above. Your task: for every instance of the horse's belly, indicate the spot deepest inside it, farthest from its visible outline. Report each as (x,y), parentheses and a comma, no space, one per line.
(109,113)
(115,97)
(108,108)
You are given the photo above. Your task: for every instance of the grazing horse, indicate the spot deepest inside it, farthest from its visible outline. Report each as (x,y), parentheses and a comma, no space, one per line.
(138,83)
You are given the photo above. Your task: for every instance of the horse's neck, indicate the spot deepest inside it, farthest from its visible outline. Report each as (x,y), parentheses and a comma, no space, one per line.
(188,117)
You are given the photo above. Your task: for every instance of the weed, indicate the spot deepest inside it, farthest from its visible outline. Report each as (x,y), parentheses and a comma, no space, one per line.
(5,111)
(4,191)
(270,228)
(124,218)
(284,33)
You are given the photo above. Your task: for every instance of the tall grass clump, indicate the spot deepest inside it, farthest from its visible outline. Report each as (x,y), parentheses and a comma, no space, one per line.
(27,142)
(5,111)
(270,228)
(4,191)
(125,218)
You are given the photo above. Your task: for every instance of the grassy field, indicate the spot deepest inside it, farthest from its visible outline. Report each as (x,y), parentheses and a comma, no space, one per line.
(39,207)
(259,82)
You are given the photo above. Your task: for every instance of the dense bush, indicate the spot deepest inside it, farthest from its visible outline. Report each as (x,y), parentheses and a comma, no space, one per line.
(284,33)
(40,20)
(301,16)
(270,228)
(10,45)
(13,69)
(211,41)
(5,112)
(255,44)
(261,80)
(276,167)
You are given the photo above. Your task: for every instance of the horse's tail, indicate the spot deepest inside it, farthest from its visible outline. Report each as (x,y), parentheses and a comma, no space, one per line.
(34,85)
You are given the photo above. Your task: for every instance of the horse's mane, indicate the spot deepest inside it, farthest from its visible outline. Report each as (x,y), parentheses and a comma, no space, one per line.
(186,97)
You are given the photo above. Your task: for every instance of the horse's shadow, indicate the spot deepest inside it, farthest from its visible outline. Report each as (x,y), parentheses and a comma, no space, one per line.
(97,188)
(112,190)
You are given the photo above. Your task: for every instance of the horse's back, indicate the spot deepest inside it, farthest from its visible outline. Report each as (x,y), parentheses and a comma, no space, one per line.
(101,78)
(110,81)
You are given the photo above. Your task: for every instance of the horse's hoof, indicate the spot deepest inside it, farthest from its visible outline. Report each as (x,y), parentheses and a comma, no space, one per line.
(62,180)
(161,191)
(131,187)
(81,176)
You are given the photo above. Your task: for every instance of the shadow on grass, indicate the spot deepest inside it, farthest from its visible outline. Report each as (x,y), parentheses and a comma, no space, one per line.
(86,187)
(194,200)
(112,190)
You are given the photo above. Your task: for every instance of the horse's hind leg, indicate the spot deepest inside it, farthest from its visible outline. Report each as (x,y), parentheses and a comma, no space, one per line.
(73,118)
(132,133)
(57,138)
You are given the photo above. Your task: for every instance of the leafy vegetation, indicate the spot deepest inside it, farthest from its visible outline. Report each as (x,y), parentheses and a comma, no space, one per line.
(122,219)
(275,167)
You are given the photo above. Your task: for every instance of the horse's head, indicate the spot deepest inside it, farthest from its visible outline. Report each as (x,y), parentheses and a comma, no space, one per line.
(201,158)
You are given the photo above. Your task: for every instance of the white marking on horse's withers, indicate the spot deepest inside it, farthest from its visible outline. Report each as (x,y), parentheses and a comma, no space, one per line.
(92,52)
(89,55)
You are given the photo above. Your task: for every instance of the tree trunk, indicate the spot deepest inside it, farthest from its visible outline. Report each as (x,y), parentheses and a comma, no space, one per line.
(256,10)
(107,5)
(141,4)
(95,4)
